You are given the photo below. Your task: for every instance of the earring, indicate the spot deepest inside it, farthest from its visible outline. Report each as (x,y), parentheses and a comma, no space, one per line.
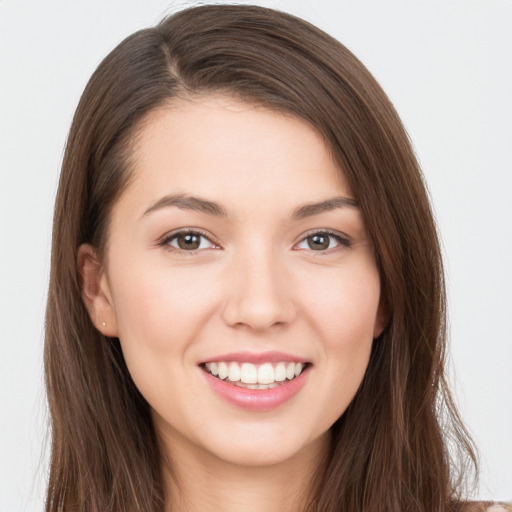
(104,324)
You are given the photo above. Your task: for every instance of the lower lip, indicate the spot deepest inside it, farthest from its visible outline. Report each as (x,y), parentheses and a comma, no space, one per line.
(257,399)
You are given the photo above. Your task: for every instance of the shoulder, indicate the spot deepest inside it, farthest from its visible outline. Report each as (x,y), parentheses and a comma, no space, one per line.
(484,506)
(496,507)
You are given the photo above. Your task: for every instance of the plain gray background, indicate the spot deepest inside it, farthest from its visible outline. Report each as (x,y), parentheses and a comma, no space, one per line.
(447,66)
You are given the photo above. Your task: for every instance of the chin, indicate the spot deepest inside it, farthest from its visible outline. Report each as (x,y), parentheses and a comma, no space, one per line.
(265,445)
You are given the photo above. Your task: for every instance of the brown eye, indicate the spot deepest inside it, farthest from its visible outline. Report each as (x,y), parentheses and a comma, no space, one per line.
(188,241)
(322,241)
(318,242)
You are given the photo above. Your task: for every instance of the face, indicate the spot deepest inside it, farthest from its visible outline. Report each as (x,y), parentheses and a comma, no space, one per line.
(240,281)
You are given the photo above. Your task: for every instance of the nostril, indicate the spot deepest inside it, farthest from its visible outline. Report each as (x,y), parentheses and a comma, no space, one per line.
(258,315)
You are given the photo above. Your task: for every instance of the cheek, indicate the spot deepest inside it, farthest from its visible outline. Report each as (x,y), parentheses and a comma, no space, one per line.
(345,305)
(159,312)
(343,313)
(159,306)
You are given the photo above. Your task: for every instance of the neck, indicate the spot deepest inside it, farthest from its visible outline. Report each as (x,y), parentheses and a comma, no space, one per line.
(200,482)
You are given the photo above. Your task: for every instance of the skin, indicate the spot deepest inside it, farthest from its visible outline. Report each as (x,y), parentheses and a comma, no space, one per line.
(254,284)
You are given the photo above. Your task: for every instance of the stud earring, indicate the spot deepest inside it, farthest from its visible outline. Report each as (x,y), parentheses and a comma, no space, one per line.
(104,324)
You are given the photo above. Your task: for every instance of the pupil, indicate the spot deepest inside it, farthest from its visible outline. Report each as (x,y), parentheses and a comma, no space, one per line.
(318,242)
(189,241)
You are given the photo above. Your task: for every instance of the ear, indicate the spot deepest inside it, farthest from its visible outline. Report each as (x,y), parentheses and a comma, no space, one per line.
(382,318)
(96,291)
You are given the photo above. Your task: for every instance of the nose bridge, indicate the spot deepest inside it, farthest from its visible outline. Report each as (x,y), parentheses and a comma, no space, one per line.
(258,296)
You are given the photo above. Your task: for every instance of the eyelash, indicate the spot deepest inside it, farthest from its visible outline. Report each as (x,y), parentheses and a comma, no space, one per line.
(343,241)
(165,242)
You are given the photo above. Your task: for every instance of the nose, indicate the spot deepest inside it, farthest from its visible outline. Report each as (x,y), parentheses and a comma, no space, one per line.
(259,292)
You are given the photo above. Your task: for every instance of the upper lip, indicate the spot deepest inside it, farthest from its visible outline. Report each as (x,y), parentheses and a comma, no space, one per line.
(257,357)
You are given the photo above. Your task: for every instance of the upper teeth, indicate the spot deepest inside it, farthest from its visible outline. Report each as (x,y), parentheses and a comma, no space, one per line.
(249,373)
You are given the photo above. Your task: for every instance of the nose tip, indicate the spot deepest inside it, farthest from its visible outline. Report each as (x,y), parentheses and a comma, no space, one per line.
(257,316)
(258,298)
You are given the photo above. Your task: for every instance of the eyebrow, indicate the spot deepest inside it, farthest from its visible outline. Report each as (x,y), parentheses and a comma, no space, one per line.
(198,204)
(323,206)
(189,203)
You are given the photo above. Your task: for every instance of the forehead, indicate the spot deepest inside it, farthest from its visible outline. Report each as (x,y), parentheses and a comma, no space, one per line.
(219,147)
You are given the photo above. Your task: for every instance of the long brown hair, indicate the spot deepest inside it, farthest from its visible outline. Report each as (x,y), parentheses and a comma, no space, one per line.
(389,449)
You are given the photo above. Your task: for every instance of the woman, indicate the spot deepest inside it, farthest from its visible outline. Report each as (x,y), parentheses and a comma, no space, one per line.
(246,306)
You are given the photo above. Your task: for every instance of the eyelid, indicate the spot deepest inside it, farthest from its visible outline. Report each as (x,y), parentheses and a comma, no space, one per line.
(165,239)
(343,240)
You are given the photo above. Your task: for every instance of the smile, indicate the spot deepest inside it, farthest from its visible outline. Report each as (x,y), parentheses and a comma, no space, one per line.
(251,376)
(268,382)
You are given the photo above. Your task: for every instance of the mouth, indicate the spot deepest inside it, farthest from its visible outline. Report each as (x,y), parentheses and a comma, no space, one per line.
(267,375)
